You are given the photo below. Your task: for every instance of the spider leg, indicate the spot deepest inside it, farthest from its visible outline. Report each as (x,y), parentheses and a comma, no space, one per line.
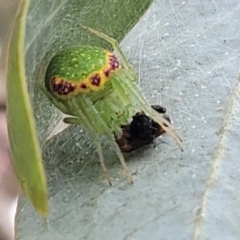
(116,48)
(90,128)
(72,120)
(122,80)
(100,126)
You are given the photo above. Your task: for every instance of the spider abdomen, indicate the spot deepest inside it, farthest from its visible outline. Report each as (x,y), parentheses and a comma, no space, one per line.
(79,70)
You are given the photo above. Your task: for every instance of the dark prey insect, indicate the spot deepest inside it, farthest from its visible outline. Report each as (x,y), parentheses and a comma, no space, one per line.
(99,92)
(141,131)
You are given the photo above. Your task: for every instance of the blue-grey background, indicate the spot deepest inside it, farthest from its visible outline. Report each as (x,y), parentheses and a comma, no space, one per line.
(186,54)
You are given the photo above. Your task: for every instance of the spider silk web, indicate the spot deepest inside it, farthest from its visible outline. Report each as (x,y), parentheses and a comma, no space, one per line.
(186,54)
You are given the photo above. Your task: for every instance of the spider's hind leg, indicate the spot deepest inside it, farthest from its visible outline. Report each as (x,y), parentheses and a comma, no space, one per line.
(116,48)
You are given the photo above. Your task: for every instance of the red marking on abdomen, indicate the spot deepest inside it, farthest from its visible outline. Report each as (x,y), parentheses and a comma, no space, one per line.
(62,87)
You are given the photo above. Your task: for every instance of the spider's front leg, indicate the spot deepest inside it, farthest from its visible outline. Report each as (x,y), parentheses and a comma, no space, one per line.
(96,126)
(82,119)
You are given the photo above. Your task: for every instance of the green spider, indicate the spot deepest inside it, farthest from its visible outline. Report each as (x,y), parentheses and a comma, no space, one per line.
(89,84)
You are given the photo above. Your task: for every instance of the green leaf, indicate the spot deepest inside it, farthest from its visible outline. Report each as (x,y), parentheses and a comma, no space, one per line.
(50,26)
(24,147)
(187,56)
